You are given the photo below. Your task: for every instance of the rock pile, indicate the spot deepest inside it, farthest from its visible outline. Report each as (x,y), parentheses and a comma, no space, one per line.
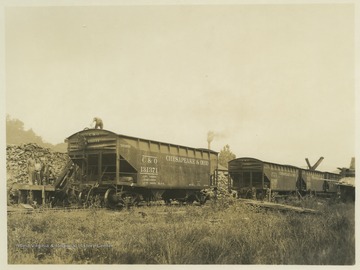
(18,155)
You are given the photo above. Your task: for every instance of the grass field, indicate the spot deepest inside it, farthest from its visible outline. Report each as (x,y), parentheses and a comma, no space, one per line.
(217,233)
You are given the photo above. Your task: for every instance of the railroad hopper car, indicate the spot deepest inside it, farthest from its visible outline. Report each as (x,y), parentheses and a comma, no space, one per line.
(121,170)
(252,178)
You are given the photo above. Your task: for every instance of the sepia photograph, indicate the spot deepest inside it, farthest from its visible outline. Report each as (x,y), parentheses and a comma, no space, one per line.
(179,133)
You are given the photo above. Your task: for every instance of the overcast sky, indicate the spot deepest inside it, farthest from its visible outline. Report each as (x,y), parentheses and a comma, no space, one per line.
(275,82)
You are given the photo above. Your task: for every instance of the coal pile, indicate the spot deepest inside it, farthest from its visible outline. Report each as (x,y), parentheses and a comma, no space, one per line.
(17,157)
(223,191)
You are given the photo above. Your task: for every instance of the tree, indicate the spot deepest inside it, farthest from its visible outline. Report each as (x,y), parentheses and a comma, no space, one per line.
(225,156)
(16,134)
(14,130)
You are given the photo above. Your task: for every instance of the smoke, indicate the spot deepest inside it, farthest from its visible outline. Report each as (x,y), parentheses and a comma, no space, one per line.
(210,136)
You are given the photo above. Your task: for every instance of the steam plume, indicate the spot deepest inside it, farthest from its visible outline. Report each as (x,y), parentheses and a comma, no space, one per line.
(211,135)
(210,138)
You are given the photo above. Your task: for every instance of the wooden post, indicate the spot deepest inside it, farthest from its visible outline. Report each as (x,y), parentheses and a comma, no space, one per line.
(20,195)
(31,196)
(43,195)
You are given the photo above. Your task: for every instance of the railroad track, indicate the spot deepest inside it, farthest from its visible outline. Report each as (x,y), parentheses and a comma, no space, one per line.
(12,210)
(28,209)
(178,206)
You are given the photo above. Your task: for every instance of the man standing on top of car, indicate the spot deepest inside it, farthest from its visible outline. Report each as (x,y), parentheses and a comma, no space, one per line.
(98,123)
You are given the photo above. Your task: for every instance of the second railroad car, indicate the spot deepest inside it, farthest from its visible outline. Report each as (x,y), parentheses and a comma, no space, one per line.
(253,178)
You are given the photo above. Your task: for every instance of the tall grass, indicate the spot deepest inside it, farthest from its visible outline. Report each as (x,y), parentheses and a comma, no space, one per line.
(217,233)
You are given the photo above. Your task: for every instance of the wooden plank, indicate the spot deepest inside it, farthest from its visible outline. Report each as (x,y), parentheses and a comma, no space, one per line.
(26,206)
(278,206)
(33,187)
